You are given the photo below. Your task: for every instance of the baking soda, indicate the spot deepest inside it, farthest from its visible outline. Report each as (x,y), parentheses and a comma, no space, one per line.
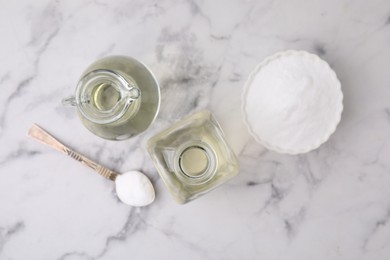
(292,102)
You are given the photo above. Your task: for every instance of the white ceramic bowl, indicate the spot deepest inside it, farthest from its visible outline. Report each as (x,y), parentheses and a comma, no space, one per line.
(325,128)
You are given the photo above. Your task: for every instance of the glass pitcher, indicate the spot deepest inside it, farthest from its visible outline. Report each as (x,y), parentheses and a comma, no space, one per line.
(117,97)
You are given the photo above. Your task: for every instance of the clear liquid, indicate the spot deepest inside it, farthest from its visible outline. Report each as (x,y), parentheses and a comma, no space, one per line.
(142,111)
(105,96)
(194,161)
(187,171)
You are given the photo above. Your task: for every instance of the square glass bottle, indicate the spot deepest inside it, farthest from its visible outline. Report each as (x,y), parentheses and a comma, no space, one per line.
(192,156)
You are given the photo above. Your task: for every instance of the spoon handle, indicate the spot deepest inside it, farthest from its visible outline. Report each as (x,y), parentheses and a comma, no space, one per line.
(44,137)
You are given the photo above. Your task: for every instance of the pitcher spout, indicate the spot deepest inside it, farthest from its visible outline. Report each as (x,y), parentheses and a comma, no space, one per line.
(133,94)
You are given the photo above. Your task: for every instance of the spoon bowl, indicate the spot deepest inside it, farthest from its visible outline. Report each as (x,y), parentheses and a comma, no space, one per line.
(134,188)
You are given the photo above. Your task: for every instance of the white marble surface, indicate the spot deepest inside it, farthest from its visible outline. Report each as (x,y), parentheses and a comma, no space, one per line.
(332,203)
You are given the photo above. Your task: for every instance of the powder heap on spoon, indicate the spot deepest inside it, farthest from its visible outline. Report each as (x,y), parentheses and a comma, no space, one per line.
(133,188)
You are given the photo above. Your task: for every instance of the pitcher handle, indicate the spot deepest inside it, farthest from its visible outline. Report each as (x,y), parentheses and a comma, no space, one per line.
(69,101)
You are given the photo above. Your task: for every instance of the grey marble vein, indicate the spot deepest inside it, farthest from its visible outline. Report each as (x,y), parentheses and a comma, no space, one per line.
(133,224)
(19,154)
(34,42)
(331,203)
(378,225)
(6,233)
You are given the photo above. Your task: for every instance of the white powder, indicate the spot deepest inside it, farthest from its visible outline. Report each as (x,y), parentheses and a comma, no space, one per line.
(294,102)
(134,188)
